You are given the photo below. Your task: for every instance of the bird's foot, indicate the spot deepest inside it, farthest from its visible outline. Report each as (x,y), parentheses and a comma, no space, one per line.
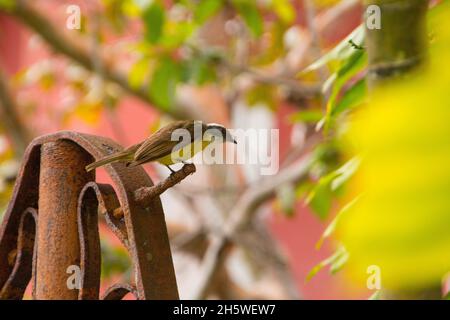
(171,170)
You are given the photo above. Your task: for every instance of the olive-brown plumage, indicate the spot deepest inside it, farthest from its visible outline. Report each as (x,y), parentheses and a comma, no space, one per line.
(161,145)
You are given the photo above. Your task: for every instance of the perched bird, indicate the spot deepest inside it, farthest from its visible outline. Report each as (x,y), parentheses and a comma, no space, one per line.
(168,146)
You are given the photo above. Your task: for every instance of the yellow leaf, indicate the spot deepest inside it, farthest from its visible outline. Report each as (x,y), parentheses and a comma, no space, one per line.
(89,112)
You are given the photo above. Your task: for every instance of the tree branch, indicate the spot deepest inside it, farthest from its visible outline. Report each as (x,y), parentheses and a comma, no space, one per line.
(145,194)
(58,42)
(256,195)
(240,216)
(260,244)
(401,43)
(17,132)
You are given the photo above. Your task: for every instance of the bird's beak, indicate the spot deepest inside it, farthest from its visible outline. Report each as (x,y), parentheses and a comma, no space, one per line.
(230,138)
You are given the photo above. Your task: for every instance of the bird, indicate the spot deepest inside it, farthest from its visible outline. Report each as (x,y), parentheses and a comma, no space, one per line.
(164,148)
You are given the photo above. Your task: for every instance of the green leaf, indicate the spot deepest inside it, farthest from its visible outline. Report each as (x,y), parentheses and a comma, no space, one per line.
(315,270)
(176,34)
(320,200)
(329,82)
(164,82)
(339,261)
(198,71)
(307,116)
(153,18)
(252,18)
(349,68)
(341,52)
(352,66)
(335,261)
(321,196)
(332,226)
(344,173)
(353,97)
(206,8)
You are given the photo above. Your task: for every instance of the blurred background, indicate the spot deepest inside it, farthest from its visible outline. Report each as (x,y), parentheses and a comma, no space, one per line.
(128,67)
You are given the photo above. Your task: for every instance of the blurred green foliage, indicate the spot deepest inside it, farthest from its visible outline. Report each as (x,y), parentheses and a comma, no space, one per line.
(401,221)
(115,260)
(394,210)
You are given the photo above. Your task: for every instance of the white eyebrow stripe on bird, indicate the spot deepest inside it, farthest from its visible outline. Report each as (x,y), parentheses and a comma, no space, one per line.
(215,125)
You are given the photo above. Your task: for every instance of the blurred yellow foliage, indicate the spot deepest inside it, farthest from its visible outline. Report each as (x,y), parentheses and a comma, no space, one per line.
(326,3)
(89,112)
(402,221)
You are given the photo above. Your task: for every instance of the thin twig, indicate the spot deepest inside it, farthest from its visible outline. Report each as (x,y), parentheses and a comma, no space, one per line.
(145,194)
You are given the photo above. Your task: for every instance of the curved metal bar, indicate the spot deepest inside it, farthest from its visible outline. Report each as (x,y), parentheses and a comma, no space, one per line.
(25,195)
(90,252)
(119,291)
(145,226)
(94,198)
(23,258)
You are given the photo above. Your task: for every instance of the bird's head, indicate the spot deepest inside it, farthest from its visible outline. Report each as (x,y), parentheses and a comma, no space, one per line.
(215,130)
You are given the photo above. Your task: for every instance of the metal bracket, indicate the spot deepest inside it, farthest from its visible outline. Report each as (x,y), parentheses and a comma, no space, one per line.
(51,222)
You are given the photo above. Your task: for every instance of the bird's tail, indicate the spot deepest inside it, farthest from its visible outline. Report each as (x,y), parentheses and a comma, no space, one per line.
(115,157)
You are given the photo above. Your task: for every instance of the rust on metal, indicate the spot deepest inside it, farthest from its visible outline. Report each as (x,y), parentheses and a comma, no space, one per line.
(118,292)
(52,188)
(12,257)
(62,176)
(144,195)
(24,257)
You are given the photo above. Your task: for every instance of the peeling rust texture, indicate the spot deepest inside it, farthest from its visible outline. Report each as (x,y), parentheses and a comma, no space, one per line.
(53,189)
(62,176)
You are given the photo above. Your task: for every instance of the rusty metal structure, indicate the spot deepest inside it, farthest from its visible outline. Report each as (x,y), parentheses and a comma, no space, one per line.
(52,223)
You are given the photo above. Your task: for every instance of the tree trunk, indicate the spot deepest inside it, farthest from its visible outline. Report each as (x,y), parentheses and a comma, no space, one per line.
(400,44)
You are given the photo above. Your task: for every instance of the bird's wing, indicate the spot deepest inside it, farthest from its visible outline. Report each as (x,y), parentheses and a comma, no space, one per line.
(160,144)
